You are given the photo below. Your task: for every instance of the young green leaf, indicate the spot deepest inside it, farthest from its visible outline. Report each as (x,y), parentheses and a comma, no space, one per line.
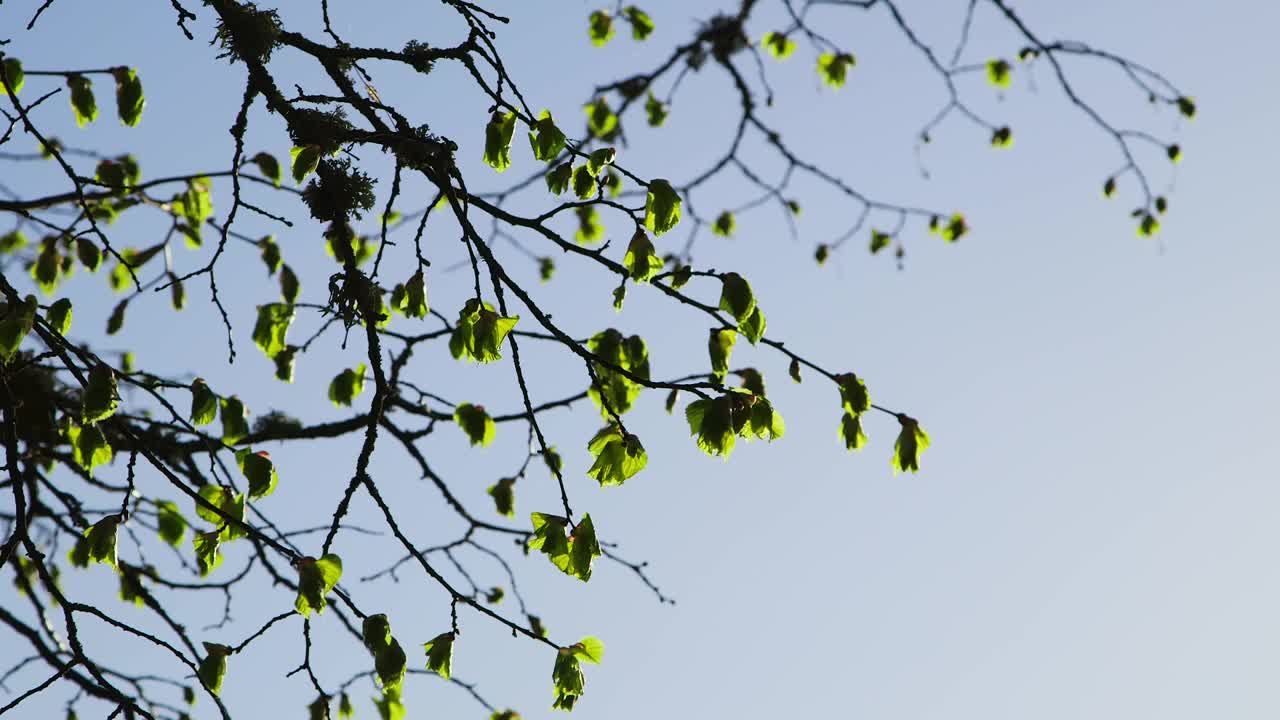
(618,456)
(83,103)
(736,297)
(101,396)
(655,110)
(129,97)
(912,440)
(584,182)
(567,673)
(389,705)
(601,120)
(880,240)
(304,161)
(778,44)
(1186,106)
(272,327)
(1002,137)
(213,667)
(717,423)
(497,140)
(766,423)
(999,72)
(319,708)
(268,166)
(1148,225)
(590,230)
(641,23)
(47,269)
(346,386)
(89,446)
(101,540)
(503,494)
(834,68)
(480,332)
(661,207)
(316,578)
(752,381)
(642,261)
(259,470)
(208,557)
(345,709)
(574,554)
(851,431)
(720,345)
(12,74)
(558,179)
(172,526)
(600,27)
(615,391)
(234,425)
(853,393)
(599,159)
(955,228)
(389,660)
(15,325)
(440,654)
(753,327)
(204,404)
(476,423)
(289,286)
(545,138)
(59,316)
(724,225)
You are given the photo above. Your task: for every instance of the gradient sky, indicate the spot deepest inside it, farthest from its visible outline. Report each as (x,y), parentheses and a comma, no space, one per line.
(1092,534)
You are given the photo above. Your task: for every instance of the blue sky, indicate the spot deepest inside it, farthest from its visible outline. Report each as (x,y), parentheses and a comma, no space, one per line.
(1092,532)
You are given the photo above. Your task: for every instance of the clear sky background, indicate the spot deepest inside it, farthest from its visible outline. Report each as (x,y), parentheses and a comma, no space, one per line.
(1093,532)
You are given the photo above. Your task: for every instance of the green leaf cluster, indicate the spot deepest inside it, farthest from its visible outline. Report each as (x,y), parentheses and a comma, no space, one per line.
(854,401)
(619,456)
(573,553)
(316,578)
(479,333)
(912,440)
(718,422)
(778,44)
(834,68)
(999,72)
(566,675)
(614,390)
